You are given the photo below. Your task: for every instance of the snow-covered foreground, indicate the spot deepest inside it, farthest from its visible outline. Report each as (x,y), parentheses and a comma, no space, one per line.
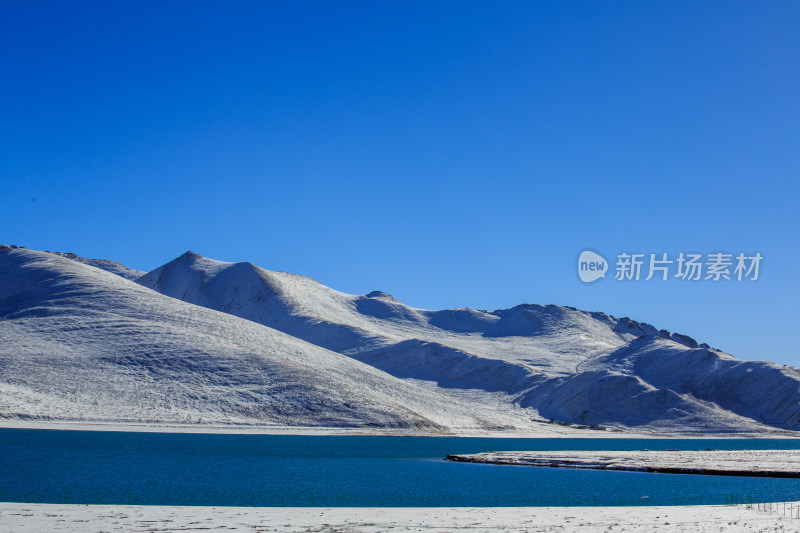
(49,517)
(771,463)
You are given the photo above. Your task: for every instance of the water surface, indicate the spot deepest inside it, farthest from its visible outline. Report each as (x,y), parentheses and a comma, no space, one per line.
(300,470)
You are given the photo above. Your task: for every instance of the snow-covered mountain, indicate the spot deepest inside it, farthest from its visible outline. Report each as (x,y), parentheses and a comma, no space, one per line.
(79,343)
(199,340)
(105,264)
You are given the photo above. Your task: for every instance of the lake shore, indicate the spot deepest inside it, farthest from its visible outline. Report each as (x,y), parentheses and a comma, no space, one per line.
(19,517)
(542,431)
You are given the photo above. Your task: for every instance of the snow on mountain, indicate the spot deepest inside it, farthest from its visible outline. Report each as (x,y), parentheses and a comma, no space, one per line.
(199,340)
(560,362)
(546,337)
(80,343)
(105,264)
(765,391)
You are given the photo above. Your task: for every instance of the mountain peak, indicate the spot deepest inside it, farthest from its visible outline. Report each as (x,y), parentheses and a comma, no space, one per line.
(189,255)
(381,295)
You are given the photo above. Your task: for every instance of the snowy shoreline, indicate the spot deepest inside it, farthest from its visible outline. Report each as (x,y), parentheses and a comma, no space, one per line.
(547,431)
(754,463)
(57,517)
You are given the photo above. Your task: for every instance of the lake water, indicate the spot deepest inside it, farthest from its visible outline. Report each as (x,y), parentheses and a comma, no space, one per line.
(292,470)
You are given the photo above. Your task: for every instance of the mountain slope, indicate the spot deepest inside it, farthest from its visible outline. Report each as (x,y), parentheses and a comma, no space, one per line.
(204,341)
(561,362)
(80,343)
(550,338)
(761,390)
(105,264)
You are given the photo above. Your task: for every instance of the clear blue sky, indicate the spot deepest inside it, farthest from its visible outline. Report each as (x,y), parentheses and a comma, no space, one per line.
(450,153)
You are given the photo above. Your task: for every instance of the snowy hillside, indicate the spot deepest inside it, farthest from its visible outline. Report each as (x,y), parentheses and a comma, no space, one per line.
(80,343)
(561,362)
(105,264)
(199,340)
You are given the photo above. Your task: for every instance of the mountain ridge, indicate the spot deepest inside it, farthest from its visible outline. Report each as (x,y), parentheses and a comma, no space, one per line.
(505,368)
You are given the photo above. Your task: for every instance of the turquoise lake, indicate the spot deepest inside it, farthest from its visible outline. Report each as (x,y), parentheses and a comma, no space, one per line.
(57,466)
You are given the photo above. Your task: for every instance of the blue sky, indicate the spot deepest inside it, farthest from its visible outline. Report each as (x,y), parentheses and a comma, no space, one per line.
(450,153)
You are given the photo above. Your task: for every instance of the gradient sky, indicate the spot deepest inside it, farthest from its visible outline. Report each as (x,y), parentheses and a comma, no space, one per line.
(451,153)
